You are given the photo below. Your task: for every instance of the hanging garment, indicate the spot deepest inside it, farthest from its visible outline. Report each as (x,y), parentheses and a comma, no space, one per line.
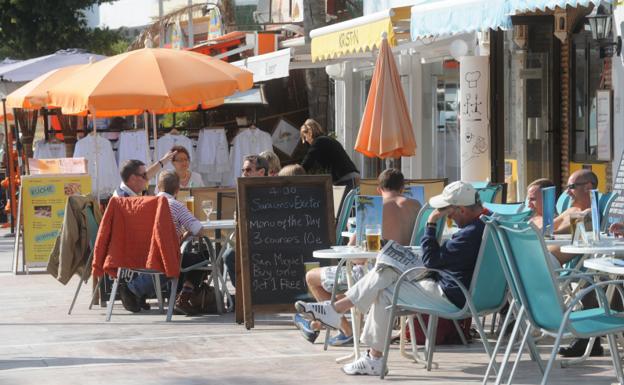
(212,155)
(251,141)
(49,150)
(167,141)
(133,145)
(96,149)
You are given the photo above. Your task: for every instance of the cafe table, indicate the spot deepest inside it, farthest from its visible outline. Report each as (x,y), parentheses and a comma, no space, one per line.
(607,264)
(347,255)
(227,227)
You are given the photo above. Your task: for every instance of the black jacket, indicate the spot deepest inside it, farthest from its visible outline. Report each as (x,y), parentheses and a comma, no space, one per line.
(330,155)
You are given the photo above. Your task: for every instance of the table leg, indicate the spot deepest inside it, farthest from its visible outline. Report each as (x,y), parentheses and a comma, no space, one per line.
(355,320)
(229,243)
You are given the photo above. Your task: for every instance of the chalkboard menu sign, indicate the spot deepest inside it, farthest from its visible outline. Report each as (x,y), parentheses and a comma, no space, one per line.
(282,220)
(616,212)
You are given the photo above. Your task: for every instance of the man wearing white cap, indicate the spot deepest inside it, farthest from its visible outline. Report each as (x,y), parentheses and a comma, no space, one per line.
(457,257)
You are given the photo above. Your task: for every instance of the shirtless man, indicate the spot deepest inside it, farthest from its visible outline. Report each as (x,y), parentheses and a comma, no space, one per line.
(534,200)
(399,216)
(579,185)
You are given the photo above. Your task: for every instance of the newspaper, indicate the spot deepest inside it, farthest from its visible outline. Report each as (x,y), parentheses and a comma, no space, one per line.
(398,257)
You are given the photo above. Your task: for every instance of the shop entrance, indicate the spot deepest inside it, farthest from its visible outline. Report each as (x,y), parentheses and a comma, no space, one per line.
(531,122)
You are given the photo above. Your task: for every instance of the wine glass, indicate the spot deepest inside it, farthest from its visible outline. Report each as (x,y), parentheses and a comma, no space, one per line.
(207,207)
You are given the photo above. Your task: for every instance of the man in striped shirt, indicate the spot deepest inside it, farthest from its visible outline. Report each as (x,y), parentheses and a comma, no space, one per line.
(186,224)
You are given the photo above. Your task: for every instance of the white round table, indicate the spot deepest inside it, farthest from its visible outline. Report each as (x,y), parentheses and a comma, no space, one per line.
(606,247)
(607,264)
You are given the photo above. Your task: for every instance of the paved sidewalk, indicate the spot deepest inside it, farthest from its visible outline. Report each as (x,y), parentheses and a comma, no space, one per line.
(41,344)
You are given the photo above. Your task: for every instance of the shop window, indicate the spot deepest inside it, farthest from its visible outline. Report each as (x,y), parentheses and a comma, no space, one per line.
(587,78)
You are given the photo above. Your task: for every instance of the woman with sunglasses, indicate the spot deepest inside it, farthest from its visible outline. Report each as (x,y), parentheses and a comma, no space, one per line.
(181,162)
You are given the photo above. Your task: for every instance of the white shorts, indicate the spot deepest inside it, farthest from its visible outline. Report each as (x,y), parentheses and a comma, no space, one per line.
(328,274)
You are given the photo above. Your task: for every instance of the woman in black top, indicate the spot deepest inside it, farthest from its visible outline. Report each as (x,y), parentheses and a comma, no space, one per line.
(330,155)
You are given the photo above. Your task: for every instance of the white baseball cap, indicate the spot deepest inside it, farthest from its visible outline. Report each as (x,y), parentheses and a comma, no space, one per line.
(455,194)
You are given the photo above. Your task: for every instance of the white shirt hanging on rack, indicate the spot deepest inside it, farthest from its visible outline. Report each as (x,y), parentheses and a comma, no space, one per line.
(90,147)
(49,150)
(167,141)
(212,154)
(250,141)
(133,145)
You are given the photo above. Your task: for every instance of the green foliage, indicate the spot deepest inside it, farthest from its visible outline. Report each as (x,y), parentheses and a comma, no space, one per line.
(31,28)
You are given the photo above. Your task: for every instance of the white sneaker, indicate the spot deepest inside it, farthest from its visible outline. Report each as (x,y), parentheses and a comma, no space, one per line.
(364,365)
(321,311)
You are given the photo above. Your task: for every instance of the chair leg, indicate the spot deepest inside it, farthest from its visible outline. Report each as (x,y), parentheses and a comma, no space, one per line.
(460,331)
(158,290)
(96,290)
(499,342)
(111,300)
(535,356)
(432,331)
(493,325)
(84,279)
(527,332)
(172,295)
(573,361)
(415,356)
(615,356)
(510,344)
(386,351)
(551,360)
(484,340)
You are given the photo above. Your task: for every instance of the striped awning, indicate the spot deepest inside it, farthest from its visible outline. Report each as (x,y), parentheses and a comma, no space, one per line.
(449,17)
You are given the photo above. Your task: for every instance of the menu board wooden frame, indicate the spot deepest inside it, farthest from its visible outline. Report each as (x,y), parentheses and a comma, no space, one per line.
(244,195)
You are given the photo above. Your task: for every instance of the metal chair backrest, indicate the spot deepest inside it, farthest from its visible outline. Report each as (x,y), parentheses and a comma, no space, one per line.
(480,184)
(421,223)
(489,193)
(504,208)
(526,267)
(488,287)
(343,216)
(604,203)
(563,202)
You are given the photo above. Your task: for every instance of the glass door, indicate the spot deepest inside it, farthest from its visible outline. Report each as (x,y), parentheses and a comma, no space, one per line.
(529,112)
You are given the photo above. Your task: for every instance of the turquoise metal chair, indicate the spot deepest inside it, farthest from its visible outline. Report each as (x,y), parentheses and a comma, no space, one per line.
(487,294)
(488,194)
(343,216)
(604,203)
(563,202)
(421,223)
(504,208)
(534,288)
(479,184)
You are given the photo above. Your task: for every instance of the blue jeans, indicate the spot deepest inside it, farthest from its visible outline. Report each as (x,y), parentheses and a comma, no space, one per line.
(229,259)
(142,285)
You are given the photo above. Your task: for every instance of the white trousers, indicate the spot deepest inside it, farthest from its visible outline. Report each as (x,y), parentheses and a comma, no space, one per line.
(374,291)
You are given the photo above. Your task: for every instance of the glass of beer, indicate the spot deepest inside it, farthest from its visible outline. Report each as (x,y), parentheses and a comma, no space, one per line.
(373,237)
(190,204)
(575,219)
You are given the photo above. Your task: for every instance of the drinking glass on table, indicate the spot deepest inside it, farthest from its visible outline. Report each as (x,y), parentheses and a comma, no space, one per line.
(207,208)
(373,237)
(190,204)
(575,219)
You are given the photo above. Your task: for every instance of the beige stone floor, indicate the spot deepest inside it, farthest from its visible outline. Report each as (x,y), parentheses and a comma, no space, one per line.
(41,344)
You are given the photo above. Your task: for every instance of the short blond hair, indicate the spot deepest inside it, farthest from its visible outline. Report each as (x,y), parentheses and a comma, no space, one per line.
(274,162)
(292,170)
(312,126)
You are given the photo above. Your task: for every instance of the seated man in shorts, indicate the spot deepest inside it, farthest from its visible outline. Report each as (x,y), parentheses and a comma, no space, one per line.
(399,216)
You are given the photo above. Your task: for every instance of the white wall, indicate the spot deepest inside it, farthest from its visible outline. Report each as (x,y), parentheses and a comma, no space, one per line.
(618,97)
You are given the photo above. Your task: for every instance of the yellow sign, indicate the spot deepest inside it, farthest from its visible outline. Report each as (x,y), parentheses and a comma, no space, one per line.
(43,207)
(356,38)
(600,169)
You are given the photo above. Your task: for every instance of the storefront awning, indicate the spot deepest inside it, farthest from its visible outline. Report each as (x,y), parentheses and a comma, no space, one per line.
(449,17)
(269,66)
(356,35)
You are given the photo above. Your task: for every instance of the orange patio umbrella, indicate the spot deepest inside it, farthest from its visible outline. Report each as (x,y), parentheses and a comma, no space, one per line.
(157,80)
(386,128)
(34,94)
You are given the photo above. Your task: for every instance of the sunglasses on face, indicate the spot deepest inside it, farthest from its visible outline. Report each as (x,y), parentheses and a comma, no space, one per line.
(181,160)
(143,175)
(573,186)
(248,169)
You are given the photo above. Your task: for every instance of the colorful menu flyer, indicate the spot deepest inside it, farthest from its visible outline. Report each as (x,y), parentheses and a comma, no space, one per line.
(368,211)
(595,213)
(415,192)
(548,210)
(43,206)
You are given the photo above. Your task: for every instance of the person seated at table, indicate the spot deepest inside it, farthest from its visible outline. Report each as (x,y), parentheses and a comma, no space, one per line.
(253,165)
(274,163)
(580,183)
(141,286)
(292,170)
(534,200)
(460,202)
(182,165)
(399,215)
(135,175)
